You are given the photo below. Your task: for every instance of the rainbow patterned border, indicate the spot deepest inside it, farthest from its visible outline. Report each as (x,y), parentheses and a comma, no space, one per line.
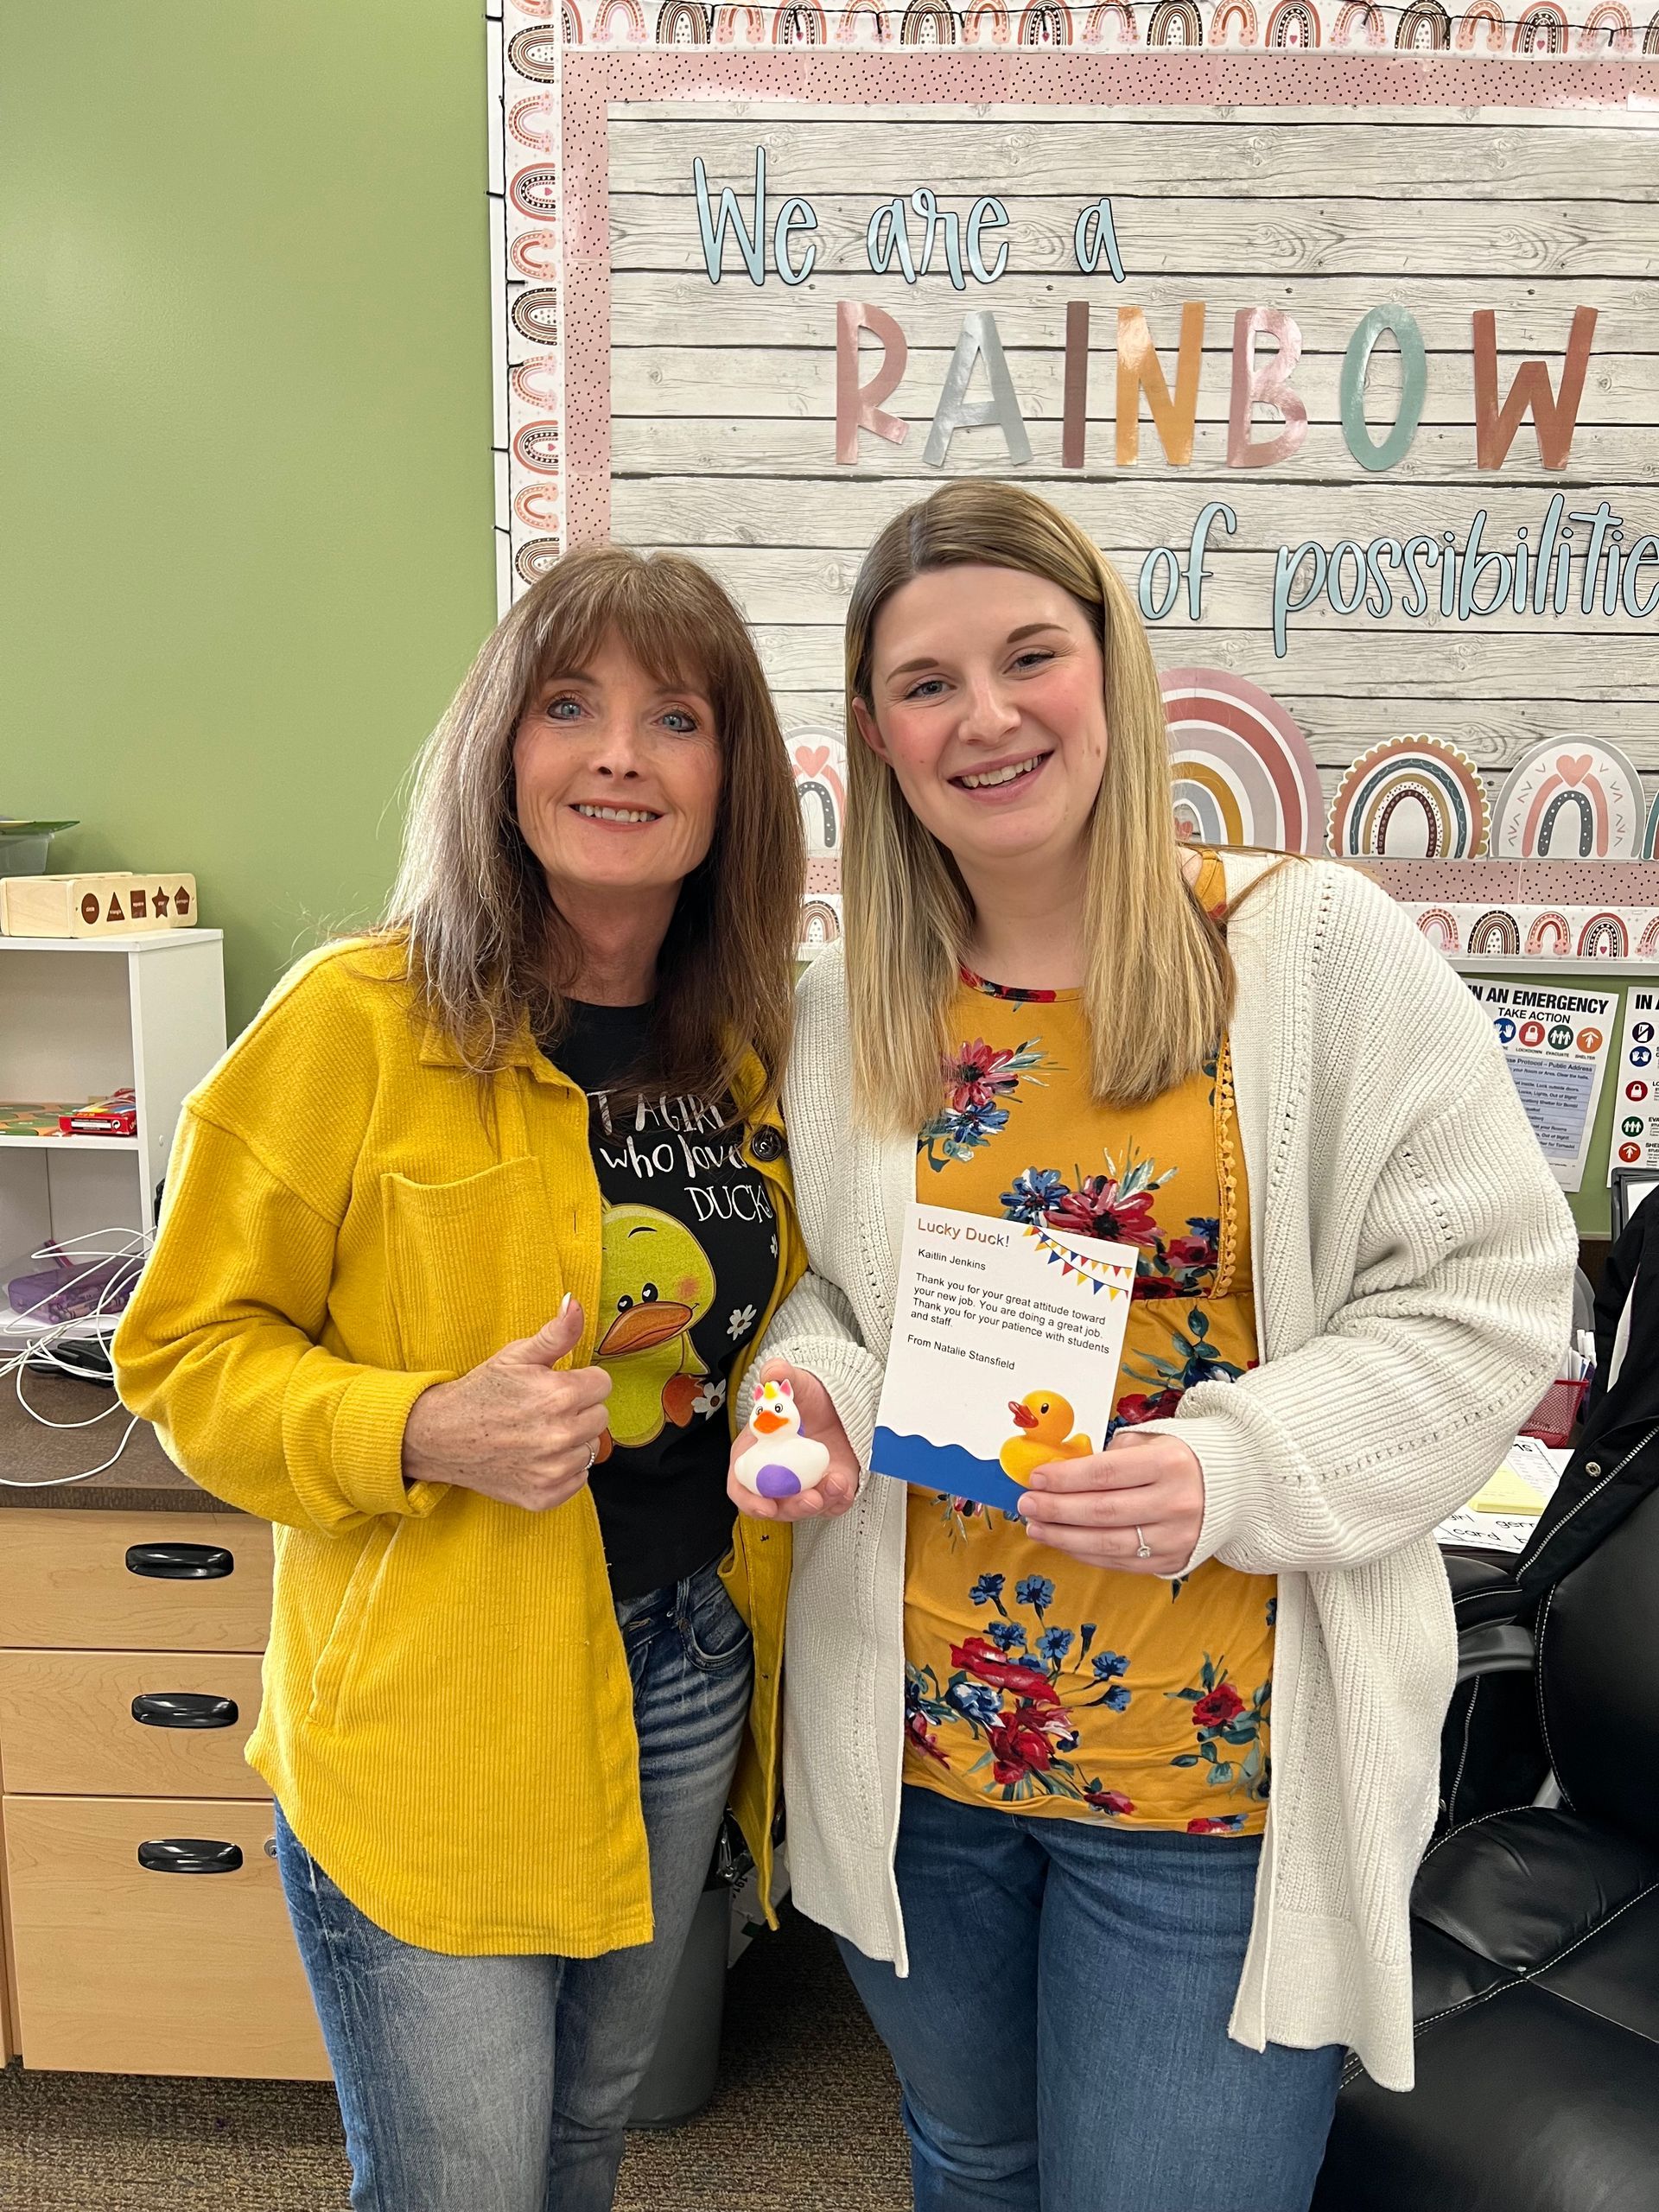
(1541,933)
(1543,29)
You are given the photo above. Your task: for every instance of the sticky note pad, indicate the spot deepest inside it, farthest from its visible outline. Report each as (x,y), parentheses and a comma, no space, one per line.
(1506,1492)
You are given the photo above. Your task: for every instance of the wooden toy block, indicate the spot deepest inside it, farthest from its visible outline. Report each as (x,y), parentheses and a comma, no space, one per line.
(121,903)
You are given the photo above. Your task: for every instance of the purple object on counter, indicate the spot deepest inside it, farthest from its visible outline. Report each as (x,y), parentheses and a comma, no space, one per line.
(73,1293)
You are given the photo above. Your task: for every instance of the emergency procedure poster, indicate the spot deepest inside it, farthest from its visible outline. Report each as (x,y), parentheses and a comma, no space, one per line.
(1635,1110)
(1555,1041)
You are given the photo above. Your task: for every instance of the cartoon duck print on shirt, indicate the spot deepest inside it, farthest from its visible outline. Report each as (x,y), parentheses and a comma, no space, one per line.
(656,1284)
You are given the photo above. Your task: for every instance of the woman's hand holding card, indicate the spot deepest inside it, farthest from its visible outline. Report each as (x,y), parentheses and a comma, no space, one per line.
(1137,1507)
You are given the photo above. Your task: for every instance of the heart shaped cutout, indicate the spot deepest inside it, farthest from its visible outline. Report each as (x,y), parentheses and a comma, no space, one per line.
(1573,768)
(810,759)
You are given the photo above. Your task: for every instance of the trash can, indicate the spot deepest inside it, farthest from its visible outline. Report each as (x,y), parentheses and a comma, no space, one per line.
(680,2079)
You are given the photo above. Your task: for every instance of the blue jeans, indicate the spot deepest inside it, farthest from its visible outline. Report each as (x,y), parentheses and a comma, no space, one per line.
(503,2084)
(1061,2038)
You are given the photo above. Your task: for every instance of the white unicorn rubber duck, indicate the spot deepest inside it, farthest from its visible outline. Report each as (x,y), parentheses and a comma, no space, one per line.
(781,1463)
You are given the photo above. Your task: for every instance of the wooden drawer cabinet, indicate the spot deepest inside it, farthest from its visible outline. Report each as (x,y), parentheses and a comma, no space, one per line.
(134,1581)
(69,1727)
(10,2045)
(124,1970)
(186,1964)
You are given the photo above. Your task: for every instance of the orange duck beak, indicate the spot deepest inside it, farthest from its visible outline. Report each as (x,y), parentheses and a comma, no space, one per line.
(643,1326)
(1023,1415)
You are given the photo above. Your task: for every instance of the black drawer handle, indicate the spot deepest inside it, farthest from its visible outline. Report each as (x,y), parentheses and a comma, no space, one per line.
(181,1562)
(189,1855)
(184,1709)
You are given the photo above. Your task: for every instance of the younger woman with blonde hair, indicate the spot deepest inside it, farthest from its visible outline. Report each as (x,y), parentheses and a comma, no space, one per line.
(467,1245)
(1113,1953)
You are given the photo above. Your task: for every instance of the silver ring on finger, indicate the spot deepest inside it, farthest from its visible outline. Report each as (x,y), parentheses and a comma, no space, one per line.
(592,1453)
(1142,1548)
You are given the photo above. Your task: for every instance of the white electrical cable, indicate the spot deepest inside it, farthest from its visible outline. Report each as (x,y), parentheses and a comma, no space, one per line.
(95,1327)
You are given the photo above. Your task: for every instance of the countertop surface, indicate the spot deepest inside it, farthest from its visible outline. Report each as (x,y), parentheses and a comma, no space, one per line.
(144,1479)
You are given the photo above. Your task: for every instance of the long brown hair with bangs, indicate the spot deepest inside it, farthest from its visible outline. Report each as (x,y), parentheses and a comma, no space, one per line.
(1158,985)
(489,950)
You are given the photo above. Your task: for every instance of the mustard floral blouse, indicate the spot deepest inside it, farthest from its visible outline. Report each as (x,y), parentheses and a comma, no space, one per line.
(1032,1681)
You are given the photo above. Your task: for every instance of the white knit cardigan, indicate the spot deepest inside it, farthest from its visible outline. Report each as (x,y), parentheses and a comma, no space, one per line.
(1413,1264)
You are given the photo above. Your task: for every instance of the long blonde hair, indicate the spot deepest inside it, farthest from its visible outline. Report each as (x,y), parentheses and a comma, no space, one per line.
(489,950)
(1158,987)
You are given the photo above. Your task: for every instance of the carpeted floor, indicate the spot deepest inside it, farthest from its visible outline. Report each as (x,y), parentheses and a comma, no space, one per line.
(805,2120)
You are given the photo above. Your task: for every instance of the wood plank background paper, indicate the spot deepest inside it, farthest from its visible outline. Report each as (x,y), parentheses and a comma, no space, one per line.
(721,395)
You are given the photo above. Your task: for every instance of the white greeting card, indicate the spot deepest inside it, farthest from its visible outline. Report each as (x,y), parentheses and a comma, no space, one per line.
(1006,1344)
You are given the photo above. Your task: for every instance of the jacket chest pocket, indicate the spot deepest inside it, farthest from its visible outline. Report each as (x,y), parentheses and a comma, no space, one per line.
(472,1264)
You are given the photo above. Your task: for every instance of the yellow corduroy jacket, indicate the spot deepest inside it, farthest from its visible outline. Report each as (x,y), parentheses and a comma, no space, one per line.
(351,1217)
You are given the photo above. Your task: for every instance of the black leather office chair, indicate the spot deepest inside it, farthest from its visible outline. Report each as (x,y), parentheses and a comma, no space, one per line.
(1492,1748)
(1535,1943)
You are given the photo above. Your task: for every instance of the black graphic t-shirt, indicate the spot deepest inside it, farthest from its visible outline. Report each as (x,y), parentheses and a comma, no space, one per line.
(690,1257)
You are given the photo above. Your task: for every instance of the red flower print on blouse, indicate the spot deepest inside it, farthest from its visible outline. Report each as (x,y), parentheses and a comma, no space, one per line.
(1229,1824)
(1110,1801)
(1147,1405)
(1201,1251)
(1005,991)
(1025,1742)
(981,1657)
(1096,1208)
(977,1074)
(1217,1707)
(923,1738)
(1020,1746)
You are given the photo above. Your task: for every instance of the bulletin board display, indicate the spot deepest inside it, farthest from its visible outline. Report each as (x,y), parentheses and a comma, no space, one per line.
(1347,360)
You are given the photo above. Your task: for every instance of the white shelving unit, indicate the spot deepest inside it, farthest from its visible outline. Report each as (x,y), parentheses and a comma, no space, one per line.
(83,1016)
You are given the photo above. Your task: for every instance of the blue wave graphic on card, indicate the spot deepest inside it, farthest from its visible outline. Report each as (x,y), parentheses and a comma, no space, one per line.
(944,1467)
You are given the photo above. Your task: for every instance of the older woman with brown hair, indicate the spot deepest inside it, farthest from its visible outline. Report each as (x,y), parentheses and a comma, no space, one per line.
(467,1245)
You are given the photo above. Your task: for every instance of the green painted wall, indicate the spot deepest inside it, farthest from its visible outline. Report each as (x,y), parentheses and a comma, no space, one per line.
(245,494)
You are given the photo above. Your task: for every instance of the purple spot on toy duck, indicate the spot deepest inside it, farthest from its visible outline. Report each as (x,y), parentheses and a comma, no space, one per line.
(775,1481)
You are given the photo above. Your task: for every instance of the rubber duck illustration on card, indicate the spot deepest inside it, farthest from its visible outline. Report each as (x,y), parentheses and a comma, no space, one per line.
(1044,1419)
(658,1283)
(781,1462)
